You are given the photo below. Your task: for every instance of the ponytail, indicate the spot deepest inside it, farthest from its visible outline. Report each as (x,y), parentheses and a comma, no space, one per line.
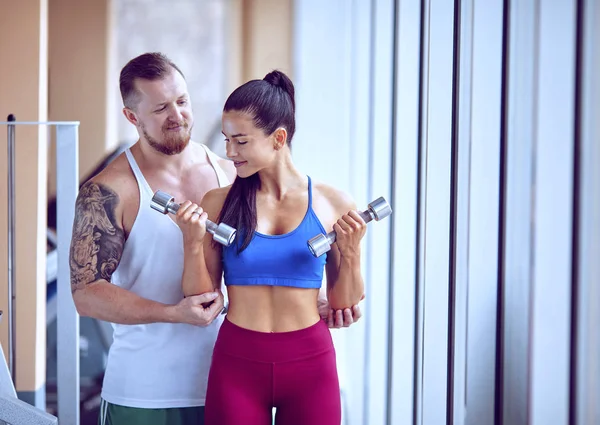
(279,79)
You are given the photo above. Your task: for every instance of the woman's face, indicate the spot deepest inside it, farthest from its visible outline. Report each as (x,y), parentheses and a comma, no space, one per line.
(250,149)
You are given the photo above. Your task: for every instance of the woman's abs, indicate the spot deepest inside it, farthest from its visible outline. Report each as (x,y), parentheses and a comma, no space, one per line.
(272,308)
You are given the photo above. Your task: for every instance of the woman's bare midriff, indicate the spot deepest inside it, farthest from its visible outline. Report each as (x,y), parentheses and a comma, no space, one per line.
(272,308)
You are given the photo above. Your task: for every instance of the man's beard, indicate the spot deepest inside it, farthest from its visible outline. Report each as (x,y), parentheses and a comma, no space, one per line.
(172,143)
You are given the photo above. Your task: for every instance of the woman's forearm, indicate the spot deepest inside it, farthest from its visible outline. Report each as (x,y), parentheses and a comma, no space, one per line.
(349,287)
(196,279)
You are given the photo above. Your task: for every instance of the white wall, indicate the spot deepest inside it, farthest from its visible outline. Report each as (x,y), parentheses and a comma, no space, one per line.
(476,121)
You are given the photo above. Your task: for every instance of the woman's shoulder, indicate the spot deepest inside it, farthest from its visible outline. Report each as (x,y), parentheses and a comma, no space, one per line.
(338,200)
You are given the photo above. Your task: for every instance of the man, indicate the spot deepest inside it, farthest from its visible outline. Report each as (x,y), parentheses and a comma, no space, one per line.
(127,259)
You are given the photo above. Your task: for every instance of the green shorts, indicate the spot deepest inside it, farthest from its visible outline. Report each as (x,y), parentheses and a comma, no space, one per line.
(113,414)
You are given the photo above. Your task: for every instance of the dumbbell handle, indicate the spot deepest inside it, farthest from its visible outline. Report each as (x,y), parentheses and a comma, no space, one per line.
(366,215)
(378,209)
(165,203)
(211,227)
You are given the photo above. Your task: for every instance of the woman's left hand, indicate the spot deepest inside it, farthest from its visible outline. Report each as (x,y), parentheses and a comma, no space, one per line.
(349,229)
(336,319)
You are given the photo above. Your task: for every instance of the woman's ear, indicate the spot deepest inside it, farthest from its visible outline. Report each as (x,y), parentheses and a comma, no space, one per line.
(280,138)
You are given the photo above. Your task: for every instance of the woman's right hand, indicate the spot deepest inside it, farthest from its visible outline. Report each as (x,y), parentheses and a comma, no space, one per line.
(191,219)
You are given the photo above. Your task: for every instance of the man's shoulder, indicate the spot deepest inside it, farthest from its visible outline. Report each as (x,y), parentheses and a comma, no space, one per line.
(228,168)
(225,164)
(116,178)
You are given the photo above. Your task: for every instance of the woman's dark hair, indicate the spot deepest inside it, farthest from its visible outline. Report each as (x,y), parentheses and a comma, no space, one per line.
(270,102)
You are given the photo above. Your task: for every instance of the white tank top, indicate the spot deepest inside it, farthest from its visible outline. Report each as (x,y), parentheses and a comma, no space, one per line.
(158,365)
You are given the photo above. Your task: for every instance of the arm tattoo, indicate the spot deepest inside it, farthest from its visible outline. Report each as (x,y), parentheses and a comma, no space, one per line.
(97,241)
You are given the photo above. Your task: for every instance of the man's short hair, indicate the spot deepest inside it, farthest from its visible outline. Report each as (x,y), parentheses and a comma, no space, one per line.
(149,66)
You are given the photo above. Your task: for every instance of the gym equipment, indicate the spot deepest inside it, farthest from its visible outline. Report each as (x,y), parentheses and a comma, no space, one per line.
(165,203)
(14,411)
(66,142)
(377,210)
(11,248)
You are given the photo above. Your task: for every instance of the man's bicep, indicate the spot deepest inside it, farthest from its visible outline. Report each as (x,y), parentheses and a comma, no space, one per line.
(98,238)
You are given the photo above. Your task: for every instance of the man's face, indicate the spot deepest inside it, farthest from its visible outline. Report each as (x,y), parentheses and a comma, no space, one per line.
(164,113)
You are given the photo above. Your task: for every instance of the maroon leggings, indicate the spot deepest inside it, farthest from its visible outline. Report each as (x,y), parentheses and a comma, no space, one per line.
(252,372)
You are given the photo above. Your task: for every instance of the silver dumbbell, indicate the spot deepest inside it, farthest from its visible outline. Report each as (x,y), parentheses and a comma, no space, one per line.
(165,203)
(377,210)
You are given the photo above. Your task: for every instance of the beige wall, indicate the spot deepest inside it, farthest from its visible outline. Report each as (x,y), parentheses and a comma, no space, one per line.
(81,77)
(234,39)
(23,91)
(267,37)
(258,40)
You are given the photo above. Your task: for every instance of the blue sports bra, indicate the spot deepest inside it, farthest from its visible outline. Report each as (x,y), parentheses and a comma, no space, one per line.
(277,260)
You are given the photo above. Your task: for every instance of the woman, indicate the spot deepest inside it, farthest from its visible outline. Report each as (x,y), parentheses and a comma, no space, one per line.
(272,350)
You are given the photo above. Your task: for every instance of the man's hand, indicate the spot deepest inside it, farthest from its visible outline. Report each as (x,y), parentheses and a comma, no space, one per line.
(338,318)
(192,309)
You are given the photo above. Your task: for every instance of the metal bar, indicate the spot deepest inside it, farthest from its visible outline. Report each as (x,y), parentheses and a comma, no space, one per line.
(484,196)
(67,178)
(419,366)
(11,248)
(435,280)
(378,241)
(405,189)
(587,361)
(550,319)
(463,189)
(57,123)
(519,205)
